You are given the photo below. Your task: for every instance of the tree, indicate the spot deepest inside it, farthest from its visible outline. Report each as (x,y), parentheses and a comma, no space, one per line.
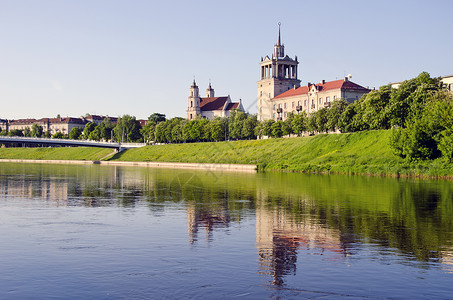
(128,128)
(27,131)
(277,129)
(235,124)
(248,127)
(299,123)
(374,108)
(156,118)
(89,127)
(58,135)
(75,133)
(267,127)
(218,127)
(287,126)
(46,134)
(36,130)
(334,114)
(345,122)
(15,132)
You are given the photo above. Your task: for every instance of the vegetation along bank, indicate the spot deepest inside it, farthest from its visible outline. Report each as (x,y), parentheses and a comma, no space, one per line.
(366,152)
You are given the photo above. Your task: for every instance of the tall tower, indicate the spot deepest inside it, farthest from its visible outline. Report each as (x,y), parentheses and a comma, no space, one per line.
(278,74)
(193,109)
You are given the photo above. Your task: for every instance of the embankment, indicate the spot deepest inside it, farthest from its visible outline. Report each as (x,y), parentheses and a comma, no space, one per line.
(355,153)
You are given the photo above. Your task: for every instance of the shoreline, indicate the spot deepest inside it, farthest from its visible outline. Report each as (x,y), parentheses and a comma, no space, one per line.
(168,165)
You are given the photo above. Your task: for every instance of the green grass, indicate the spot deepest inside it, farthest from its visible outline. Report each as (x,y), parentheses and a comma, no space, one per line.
(355,153)
(63,153)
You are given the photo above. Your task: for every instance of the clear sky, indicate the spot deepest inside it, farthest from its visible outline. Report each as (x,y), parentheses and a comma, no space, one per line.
(110,57)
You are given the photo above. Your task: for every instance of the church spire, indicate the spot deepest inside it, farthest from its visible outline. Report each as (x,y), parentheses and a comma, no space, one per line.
(279,48)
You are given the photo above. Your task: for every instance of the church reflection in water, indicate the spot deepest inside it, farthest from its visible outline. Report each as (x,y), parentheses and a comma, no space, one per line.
(279,238)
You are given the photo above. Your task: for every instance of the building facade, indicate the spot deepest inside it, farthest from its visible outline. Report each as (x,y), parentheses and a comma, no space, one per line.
(52,125)
(312,97)
(210,106)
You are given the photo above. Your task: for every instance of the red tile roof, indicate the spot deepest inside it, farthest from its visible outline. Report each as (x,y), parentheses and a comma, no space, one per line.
(212,103)
(323,87)
(233,105)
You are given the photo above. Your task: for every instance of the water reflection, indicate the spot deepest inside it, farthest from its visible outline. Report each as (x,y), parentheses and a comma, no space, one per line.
(296,215)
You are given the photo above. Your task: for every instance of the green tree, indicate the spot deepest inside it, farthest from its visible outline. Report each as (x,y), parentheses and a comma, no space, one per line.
(75,133)
(321,120)
(287,126)
(89,127)
(156,118)
(15,132)
(4,132)
(277,129)
(58,135)
(334,113)
(128,129)
(267,127)
(218,128)
(235,124)
(248,127)
(27,132)
(46,134)
(36,130)
(299,123)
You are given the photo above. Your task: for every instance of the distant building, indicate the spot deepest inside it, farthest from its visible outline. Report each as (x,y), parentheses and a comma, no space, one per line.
(3,124)
(52,125)
(279,90)
(210,106)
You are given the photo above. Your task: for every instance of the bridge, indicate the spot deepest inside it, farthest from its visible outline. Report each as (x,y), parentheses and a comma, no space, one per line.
(67,143)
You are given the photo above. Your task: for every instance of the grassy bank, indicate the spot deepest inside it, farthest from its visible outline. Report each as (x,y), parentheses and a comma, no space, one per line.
(63,153)
(355,153)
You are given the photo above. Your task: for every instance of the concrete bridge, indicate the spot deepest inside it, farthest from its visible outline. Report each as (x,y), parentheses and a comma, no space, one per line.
(67,143)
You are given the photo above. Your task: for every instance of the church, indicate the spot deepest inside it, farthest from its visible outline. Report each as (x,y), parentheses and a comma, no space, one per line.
(210,106)
(279,90)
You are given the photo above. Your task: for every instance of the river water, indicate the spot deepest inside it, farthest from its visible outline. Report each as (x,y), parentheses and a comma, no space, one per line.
(105,232)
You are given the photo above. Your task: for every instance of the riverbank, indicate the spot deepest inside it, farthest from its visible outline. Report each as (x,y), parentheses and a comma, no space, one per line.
(355,153)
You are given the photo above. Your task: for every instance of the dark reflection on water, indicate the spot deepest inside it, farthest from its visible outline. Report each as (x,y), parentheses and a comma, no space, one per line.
(248,235)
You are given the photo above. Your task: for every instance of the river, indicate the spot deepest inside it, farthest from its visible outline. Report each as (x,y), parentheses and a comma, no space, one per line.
(106,232)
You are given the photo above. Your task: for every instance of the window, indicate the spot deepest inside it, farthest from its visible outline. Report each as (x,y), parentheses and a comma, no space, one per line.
(261,93)
(191,103)
(285,115)
(320,100)
(292,105)
(274,106)
(284,105)
(274,116)
(312,101)
(280,105)
(305,102)
(334,98)
(327,99)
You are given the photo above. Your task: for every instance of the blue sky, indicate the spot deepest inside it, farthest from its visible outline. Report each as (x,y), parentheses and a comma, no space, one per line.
(140,57)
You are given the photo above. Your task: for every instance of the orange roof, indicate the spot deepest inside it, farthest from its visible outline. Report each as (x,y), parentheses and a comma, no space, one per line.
(323,87)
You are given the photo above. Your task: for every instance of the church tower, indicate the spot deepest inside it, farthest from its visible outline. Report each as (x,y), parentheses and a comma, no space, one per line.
(209,91)
(193,109)
(278,74)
